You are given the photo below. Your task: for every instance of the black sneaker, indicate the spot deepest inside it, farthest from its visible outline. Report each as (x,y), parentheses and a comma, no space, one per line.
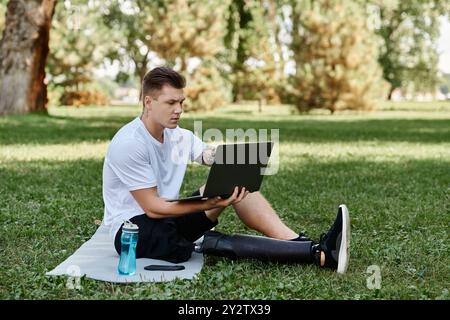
(335,243)
(302,237)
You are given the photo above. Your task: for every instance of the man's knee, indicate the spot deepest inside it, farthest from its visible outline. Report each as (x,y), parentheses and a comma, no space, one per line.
(253,196)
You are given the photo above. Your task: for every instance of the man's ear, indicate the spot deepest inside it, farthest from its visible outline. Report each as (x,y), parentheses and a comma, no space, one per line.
(148,102)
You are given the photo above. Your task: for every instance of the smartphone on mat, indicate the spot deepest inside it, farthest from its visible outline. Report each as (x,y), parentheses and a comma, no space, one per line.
(154,267)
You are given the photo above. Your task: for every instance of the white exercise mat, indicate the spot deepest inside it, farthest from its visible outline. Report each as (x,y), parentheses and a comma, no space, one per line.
(97,259)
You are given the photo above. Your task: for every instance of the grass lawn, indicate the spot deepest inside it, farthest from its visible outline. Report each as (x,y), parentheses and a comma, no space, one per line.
(391,167)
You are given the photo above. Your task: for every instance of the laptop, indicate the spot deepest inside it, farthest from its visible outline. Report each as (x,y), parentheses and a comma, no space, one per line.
(235,165)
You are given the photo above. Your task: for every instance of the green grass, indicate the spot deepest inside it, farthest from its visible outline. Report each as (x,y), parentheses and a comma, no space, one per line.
(391,167)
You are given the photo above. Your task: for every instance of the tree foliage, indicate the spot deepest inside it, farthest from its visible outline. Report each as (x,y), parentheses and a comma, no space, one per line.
(180,29)
(241,49)
(236,41)
(206,88)
(128,37)
(178,33)
(409,30)
(336,57)
(77,46)
(252,48)
(258,76)
(184,31)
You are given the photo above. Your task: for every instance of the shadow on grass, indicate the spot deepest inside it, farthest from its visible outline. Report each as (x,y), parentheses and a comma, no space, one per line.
(43,129)
(359,129)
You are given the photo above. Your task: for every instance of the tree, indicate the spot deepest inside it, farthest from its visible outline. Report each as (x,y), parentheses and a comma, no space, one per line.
(77,46)
(409,30)
(259,74)
(253,50)
(335,55)
(23,54)
(180,33)
(205,88)
(235,41)
(2,15)
(128,38)
(183,32)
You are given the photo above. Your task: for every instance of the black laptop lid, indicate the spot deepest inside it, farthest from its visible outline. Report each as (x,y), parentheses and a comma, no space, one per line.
(240,165)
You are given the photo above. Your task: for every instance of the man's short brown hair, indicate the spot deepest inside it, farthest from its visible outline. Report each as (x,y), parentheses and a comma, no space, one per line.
(156,78)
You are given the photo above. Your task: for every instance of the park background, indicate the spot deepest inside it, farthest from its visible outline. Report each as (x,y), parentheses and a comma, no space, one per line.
(358,89)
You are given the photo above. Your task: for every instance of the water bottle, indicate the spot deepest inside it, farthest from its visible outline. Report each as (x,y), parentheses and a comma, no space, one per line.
(129,239)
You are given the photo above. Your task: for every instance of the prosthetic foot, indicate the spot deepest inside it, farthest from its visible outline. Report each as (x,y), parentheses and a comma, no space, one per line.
(256,247)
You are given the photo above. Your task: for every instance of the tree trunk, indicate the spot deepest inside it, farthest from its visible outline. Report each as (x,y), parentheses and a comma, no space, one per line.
(391,91)
(272,13)
(23,53)
(141,70)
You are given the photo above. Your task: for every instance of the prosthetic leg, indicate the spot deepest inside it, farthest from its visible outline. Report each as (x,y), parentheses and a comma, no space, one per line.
(256,247)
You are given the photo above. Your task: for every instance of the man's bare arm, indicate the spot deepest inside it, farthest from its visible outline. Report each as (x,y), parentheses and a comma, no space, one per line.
(157,207)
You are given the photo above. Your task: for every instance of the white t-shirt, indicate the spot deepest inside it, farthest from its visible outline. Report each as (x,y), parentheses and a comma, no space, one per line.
(136,160)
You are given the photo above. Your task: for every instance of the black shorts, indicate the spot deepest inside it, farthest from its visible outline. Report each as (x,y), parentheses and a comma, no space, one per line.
(169,239)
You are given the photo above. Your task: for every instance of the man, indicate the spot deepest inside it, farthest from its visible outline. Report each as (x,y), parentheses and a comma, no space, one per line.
(140,172)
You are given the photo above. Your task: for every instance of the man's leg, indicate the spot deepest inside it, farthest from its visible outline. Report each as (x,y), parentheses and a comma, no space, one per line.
(256,212)
(332,251)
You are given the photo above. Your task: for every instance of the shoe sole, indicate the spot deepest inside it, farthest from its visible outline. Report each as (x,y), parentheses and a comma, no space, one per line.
(344,253)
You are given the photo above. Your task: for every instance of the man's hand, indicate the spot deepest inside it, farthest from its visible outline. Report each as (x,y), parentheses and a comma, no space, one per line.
(218,202)
(208,156)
